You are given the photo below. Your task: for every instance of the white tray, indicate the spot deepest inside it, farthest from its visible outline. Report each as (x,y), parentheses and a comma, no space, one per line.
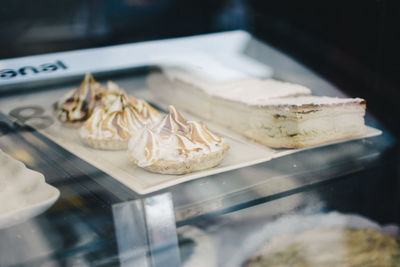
(243,152)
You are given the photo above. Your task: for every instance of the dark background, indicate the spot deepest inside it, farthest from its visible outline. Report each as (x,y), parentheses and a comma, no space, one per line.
(353,44)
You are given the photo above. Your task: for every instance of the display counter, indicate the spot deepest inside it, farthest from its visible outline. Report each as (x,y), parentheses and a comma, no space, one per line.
(217,219)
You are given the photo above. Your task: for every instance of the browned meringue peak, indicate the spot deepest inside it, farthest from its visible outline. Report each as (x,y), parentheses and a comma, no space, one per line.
(173,139)
(199,133)
(143,109)
(109,95)
(78,104)
(172,123)
(117,121)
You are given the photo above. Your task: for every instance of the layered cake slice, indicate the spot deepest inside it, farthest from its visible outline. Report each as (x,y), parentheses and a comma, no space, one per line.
(274,113)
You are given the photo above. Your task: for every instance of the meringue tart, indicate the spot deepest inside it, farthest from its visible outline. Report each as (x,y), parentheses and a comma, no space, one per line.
(274,113)
(111,126)
(78,104)
(176,146)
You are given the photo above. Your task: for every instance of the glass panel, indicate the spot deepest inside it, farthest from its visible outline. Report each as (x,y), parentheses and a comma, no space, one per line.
(146,233)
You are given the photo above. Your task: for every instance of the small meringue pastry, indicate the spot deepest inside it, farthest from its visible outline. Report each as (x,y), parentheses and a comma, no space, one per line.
(78,104)
(111,125)
(176,146)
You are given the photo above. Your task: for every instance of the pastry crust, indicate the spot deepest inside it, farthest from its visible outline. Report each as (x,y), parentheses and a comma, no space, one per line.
(105,144)
(182,167)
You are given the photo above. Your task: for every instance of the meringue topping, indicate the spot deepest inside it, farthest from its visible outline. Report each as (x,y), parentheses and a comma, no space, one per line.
(78,104)
(110,95)
(119,120)
(174,139)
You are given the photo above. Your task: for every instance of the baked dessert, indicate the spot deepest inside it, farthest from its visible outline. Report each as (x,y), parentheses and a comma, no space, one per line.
(176,146)
(77,105)
(274,113)
(329,247)
(111,125)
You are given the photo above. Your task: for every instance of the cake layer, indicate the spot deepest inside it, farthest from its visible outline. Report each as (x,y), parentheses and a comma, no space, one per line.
(290,122)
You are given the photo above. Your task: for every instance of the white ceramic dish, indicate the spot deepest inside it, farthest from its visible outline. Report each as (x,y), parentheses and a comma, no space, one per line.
(219,243)
(243,152)
(24,193)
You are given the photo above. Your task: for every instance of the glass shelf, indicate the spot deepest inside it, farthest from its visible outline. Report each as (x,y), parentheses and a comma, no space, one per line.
(80,229)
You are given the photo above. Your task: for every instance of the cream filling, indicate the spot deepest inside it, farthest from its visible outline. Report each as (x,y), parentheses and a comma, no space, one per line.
(326,127)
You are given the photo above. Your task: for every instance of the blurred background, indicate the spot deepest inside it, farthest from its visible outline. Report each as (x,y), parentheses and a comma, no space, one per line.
(353,44)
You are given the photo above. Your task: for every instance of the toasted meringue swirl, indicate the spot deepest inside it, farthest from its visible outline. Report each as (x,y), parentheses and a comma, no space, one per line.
(120,119)
(110,95)
(78,104)
(173,139)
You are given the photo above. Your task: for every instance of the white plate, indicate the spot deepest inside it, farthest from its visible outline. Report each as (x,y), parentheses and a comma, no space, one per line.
(293,224)
(243,152)
(232,243)
(24,193)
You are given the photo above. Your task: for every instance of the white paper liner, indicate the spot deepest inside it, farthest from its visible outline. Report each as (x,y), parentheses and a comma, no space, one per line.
(243,152)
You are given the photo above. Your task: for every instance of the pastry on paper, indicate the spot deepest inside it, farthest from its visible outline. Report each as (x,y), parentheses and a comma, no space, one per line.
(176,146)
(111,125)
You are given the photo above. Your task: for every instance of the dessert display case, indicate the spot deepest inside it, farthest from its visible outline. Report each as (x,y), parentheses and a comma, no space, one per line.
(110,214)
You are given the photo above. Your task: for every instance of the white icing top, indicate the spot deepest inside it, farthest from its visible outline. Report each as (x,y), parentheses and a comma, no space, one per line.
(173,139)
(202,65)
(246,90)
